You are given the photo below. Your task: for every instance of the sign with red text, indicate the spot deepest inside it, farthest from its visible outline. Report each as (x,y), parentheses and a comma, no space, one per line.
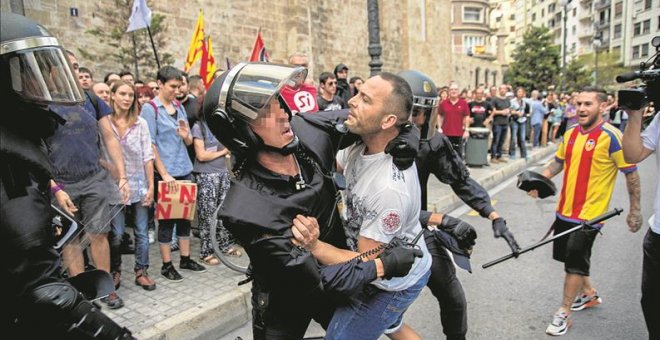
(300,100)
(179,204)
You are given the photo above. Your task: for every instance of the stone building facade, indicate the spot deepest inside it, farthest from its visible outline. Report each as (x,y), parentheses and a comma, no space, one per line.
(415,34)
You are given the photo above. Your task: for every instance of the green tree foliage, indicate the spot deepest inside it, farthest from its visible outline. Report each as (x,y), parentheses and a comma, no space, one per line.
(609,66)
(576,76)
(535,61)
(125,49)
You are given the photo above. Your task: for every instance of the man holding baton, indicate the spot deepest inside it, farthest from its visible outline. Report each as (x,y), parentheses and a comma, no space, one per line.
(590,155)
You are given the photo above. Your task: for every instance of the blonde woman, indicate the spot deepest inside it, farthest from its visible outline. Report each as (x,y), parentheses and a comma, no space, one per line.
(132,132)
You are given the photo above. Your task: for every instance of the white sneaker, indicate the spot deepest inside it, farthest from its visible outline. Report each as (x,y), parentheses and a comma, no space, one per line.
(559,325)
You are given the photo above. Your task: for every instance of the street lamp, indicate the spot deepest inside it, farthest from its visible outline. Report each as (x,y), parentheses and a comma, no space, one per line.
(564,5)
(374,48)
(597,41)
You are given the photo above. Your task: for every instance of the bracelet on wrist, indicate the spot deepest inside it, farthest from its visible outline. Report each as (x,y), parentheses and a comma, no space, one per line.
(56,188)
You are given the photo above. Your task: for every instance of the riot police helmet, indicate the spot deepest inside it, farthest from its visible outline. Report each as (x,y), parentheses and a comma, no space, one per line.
(242,95)
(425,101)
(33,65)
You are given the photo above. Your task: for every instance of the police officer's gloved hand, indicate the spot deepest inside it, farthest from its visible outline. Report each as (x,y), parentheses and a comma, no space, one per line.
(501,230)
(464,233)
(404,147)
(398,260)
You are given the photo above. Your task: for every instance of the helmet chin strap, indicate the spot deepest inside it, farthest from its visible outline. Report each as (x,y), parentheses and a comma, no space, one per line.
(285,150)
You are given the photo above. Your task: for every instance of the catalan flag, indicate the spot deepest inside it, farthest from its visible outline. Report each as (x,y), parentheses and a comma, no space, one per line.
(208,67)
(196,43)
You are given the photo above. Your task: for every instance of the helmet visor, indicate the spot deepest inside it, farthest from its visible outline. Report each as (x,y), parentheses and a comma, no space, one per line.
(255,85)
(425,116)
(44,76)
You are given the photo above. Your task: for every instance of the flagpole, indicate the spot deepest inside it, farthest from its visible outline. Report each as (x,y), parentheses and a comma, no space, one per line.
(151,38)
(135,58)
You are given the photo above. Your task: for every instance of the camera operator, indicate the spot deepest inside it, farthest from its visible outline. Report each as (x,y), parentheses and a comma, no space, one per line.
(35,73)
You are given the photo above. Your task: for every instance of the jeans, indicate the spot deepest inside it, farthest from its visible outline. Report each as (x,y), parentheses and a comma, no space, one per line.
(140,231)
(373,311)
(499,134)
(537,134)
(517,135)
(651,282)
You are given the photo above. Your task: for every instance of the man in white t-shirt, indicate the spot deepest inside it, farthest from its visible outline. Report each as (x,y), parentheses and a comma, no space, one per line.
(381,204)
(637,147)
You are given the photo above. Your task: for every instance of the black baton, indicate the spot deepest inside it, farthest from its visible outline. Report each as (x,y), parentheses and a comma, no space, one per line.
(589,224)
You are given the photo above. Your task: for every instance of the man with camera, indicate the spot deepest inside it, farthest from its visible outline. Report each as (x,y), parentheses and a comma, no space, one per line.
(636,148)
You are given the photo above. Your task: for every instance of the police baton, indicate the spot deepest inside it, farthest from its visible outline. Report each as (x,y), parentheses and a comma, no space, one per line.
(587,224)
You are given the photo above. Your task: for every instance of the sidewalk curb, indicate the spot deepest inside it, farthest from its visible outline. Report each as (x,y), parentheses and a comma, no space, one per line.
(210,319)
(450,201)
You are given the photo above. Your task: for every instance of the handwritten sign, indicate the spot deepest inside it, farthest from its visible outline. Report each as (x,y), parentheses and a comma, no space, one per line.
(176,204)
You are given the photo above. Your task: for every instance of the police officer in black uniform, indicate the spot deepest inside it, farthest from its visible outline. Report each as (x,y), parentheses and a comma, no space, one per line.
(34,73)
(437,156)
(285,178)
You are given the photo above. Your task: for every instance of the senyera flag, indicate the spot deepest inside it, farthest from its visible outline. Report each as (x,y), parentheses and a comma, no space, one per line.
(208,67)
(259,50)
(196,43)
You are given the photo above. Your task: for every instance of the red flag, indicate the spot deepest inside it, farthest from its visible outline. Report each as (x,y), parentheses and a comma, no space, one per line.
(259,50)
(208,67)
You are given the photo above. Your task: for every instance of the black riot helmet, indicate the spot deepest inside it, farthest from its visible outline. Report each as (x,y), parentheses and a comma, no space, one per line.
(34,66)
(425,101)
(242,95)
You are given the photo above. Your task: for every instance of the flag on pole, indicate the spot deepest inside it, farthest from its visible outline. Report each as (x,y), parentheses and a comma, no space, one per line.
(196,43)
(140,16)
(259,50)
(208,67)
(228,64)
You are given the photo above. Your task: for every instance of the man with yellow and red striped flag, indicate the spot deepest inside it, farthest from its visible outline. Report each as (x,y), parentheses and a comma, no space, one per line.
(208,66)
(196,43)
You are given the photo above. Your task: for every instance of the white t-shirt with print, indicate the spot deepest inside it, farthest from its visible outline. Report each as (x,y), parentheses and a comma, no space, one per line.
(651,141)
(382,202)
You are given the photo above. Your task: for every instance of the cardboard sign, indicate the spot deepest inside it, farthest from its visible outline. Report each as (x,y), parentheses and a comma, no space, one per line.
(301,100)
(176,205)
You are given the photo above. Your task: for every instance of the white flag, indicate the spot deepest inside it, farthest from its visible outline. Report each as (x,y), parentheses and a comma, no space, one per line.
(140,16)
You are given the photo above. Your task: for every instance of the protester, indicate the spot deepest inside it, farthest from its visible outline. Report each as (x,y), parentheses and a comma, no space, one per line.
(327,99)
(590,155)
(170,135)
(343,88)
(455,119)
(102,90)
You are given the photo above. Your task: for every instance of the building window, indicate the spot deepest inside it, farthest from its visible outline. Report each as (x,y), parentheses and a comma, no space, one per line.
(573,47)
(472,14)
(542,12)
(645,50)
(574,12)
(637,29)
(635,52)
(646,26)
(533,16)
(618,9)
(647,4)
(512,29)
(617,31)
(473,44)
(551,8)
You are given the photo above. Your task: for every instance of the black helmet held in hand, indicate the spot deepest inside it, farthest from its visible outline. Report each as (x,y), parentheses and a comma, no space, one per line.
(242,95)
(425,101)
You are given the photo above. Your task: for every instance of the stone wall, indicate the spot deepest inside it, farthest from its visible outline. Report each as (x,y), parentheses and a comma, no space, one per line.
(414,33)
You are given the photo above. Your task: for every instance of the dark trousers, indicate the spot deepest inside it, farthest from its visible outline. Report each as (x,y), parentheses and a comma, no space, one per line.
(651,284)
(499,135)
(457,142)
(447,290)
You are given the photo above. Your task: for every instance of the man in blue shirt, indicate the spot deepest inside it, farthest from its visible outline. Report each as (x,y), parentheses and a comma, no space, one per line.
(538,111)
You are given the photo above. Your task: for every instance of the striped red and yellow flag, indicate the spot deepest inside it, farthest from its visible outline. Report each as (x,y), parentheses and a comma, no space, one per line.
(196,43)
(208,67)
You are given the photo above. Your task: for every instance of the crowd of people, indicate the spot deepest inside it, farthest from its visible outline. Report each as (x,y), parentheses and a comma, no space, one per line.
(355,274)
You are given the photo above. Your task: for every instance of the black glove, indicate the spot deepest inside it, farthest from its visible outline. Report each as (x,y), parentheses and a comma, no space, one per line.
(501,230)
(462,231)
(404,147)
(398,260)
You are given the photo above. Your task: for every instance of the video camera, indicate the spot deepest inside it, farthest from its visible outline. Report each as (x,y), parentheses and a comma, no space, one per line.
(635,99)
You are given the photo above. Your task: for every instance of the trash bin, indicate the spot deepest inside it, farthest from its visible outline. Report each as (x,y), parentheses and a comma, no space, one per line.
(476,149)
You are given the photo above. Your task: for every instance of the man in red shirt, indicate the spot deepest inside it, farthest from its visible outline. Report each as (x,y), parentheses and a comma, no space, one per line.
(454,118)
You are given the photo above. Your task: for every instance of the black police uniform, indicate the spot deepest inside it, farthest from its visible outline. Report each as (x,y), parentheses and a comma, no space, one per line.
(437,156)
(290,287)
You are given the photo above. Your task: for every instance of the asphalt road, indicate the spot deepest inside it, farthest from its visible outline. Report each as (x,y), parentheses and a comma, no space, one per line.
(517,298)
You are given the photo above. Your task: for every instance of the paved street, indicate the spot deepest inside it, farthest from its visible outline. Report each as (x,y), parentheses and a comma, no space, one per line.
(516,299)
